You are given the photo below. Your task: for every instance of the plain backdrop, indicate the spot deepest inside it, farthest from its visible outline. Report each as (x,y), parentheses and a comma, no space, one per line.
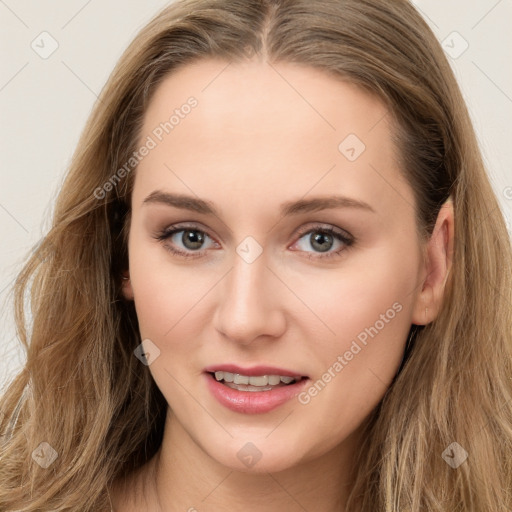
(46,99)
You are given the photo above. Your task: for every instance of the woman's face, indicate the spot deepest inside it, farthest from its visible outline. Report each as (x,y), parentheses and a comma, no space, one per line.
(296,255)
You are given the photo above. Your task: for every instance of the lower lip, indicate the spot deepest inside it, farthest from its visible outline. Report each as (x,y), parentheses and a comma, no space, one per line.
(253,402)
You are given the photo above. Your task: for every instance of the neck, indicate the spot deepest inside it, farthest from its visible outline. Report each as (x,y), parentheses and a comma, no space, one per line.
(182,477)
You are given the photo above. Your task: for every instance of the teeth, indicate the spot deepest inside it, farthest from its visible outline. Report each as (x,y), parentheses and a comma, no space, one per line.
(274,380)
(255,380)
(241,379)
(258,381)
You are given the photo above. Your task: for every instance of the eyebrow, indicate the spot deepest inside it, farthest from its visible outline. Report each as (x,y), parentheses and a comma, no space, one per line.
(296,207)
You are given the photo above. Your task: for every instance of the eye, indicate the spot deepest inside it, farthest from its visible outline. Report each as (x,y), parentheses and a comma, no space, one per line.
(191,239)
(322,239)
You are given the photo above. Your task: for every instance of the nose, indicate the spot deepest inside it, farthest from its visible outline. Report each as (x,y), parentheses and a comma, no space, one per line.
(250,304)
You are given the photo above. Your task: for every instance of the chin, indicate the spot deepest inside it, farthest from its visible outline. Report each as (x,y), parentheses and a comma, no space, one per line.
(257,457)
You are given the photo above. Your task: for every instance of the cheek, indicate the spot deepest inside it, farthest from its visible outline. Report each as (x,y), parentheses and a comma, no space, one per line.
(166,293)
(365,286)
(368,309)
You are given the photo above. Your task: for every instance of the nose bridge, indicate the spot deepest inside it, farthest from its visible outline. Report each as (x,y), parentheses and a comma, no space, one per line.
(246,283)
(249,306)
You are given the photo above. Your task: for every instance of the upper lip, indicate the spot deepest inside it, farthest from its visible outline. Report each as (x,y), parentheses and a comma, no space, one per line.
(253,370)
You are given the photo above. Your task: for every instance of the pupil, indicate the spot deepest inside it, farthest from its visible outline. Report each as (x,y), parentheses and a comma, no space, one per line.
(192,239)
(321,238)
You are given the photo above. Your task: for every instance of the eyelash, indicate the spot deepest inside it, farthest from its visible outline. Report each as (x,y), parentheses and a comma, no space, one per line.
(347,239)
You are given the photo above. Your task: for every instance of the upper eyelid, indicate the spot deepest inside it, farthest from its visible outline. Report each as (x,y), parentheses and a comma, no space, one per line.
(321,227)
(176,228)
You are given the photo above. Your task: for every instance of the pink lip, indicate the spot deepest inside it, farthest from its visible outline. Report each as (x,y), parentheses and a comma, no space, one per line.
(252,402)
(254,370)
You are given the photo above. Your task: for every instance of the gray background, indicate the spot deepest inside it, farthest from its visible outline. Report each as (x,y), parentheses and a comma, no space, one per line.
(44,103)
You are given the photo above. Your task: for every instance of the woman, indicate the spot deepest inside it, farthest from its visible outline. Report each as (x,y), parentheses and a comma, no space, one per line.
(269,279)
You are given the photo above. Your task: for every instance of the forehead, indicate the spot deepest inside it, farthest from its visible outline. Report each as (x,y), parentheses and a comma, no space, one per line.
(269,130)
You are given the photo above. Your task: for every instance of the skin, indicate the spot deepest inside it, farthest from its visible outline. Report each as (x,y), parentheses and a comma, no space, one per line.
(262,135)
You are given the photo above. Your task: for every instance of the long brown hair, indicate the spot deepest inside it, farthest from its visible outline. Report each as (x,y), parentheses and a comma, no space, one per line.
(84,393)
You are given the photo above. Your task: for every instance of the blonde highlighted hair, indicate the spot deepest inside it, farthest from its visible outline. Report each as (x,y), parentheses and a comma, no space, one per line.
(84,393)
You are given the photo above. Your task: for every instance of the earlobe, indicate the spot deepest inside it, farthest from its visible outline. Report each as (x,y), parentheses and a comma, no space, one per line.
(438,264)
(126,286)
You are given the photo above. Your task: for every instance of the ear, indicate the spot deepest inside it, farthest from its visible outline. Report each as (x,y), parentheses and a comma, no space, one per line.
(438,264)
(126,285)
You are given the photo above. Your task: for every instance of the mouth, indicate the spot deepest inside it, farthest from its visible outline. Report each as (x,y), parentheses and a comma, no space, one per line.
(254,383)
(255,390)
